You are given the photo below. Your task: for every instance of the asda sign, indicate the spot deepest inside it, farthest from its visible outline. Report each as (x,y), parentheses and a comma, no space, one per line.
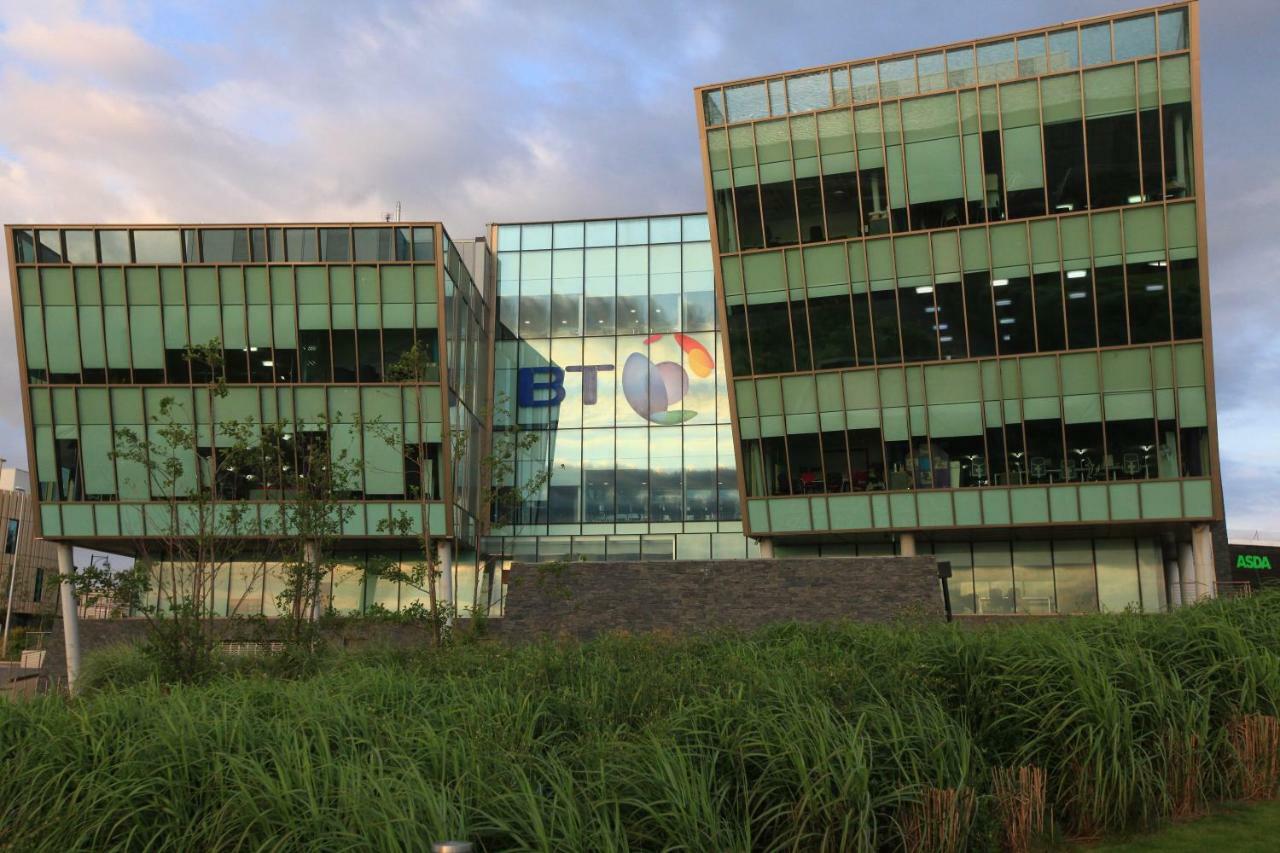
(1253,562)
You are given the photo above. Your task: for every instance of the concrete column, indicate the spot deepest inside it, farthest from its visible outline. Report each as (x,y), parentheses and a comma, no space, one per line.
(766,548)
(444,549)
(1187,569)
(1172,583)
(1202,550)
(906,544)
(70,615)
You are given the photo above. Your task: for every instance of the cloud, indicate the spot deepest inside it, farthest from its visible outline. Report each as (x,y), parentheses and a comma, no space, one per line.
(472,111)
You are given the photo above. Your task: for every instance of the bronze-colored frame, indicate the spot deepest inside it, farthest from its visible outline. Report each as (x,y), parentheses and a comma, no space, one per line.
(439,261)
(1192,51)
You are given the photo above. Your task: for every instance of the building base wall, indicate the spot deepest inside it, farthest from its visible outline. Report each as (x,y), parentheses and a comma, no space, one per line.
(585,599)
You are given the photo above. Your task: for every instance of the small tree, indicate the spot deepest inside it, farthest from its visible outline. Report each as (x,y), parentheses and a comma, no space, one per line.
(200,535)
(500,495)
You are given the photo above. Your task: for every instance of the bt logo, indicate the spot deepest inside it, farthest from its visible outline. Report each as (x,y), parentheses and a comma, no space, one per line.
(652,390)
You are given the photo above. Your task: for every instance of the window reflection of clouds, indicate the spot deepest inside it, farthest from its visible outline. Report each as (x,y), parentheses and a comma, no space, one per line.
(579,285)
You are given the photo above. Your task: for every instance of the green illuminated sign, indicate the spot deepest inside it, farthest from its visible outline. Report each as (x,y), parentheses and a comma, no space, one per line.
(1253,561)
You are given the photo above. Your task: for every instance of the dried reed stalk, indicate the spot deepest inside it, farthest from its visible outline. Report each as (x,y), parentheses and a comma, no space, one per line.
(1255,740)
(939,823)
(1182,774)
(1020,802)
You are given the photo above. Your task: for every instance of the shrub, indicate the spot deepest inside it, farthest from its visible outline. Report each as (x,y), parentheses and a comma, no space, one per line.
(827,737)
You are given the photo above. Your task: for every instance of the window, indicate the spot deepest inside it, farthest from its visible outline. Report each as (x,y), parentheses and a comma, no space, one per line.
(224,245)
(11,537)
(1112,131)
(375,244)
(157,247)
(335,244)
(37,590)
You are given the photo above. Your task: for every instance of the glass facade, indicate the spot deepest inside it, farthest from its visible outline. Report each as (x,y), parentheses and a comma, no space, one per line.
(310,328)
(606,354)
(964,288)
(950,301)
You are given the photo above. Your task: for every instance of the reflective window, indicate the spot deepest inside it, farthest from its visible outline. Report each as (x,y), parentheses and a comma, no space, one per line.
(152,247)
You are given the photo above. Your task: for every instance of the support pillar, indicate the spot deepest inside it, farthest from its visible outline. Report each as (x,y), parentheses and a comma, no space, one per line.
(1202,550)
(445,552)
(70,614)
(1172,583)
(1187,571)
(906,544)
(766,548)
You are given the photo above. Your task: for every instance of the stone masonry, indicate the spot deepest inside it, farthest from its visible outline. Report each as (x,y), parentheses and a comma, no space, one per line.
(585,599)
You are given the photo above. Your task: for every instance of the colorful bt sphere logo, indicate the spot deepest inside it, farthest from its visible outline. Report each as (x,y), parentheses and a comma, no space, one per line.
(653,390)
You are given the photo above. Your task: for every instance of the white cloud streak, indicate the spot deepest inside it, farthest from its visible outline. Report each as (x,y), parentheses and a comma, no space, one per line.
(477,110)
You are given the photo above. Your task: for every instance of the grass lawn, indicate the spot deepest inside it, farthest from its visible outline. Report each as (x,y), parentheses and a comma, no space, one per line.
(1238,828)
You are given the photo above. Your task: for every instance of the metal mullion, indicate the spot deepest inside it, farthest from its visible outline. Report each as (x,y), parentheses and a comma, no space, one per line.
(964,165)
(1102,394)
(1031,283)
(853,325)
(1084,129)
(733,192)
(822,182)
(1004,175)
(906,180)
(1172,344)
(999,368)
(902,159)
(1137,126)
(933,295)
(1062,427)
(1177,400)
(1044,158)
(446,450)
(1124,277)
(857,170)
(875,363)
(795,196)
(964,299)
(804,306)
(1062,393)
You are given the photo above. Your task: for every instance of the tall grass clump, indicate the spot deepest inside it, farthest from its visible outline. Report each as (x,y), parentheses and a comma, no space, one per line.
(821,737)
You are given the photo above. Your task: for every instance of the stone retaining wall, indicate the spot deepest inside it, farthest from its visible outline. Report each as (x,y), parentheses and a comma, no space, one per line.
(585,599)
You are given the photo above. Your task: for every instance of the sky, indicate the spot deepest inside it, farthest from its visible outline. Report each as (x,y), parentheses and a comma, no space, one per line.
(475,111)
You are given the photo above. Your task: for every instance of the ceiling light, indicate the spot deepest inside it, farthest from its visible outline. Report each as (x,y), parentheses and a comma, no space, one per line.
(268,364)
(1077,273)
(927,288)
(1067,206)
(1077,294)
(1003,302)
(253,349)
(1157,263)
(999,282)
(946,339)
(1006,321)
(1137,199)
(1153,288)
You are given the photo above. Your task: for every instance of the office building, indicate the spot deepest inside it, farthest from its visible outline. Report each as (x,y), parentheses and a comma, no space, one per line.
(965,303)
(948,301)
(308,327)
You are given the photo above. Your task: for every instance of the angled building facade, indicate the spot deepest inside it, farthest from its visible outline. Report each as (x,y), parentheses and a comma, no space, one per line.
(304,327)
(965,299)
